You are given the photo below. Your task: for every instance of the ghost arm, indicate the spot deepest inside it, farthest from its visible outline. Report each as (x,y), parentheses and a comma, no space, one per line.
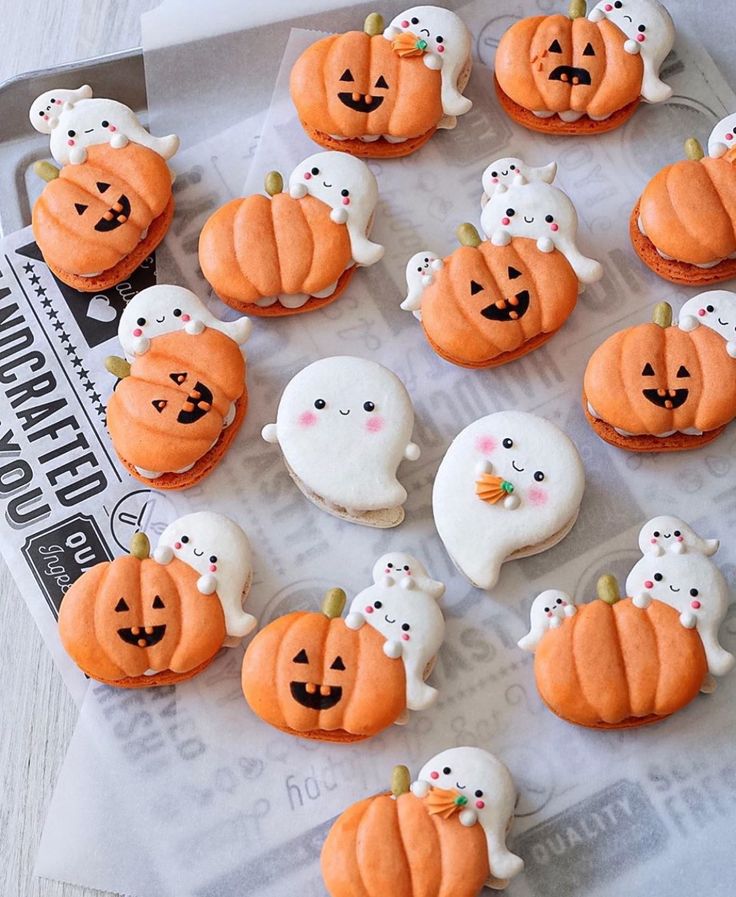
(412,452)
(420,788)
(270,434)
(364,251)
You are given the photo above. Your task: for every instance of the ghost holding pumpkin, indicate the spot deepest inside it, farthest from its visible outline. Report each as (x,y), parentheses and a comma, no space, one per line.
(715,309)
(504,171)
(549,610)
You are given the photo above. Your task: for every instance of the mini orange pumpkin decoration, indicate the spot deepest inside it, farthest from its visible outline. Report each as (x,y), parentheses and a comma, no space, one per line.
(684,219)
(657,388)
(357,85)
(399,844)
(124,619)
(562,66)
(491,304)
(97,221)
(308,674)
(167,415)
(614,665)
(257,247)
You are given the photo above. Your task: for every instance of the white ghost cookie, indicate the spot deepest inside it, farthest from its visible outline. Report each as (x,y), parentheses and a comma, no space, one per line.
(694,586)
(76,120)
(670,534)
(349,188)
(218,549)
(420,272)
(650,32)
(344,425)
(448,48)
(722,137)
(491,796)
(715,309)
(541,212)
(503,171)
(165,308)
(509,486)
(549,610)
(402,605)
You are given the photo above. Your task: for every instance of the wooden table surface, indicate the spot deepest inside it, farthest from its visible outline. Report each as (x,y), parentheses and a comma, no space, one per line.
(38,716)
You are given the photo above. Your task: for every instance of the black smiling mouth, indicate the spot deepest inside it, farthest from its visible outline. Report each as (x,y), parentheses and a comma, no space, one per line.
(424,31)
(461,787)
(570,73)
(723,323)
(160,320)
(673,589)
(670,399)
(504,173)
(344,413)
(89,131)
(198,553)
(508,309)
(200,400)
(629,18)
(316,700)
(120,213)
(528,220)
(517,469)
(361,104)
(148,638)
(386,618)
(325,184)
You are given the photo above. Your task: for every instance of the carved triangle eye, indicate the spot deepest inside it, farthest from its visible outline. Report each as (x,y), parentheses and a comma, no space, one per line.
(159,404)
(337,664)
(301,657)
(555,47)
(589,51)
(648,370)
(157,602)
(475,288)
(102,186)
(178,378)
(81,209)
(682,371)
(121,606)
(347,75)
(513,273)
(382,82)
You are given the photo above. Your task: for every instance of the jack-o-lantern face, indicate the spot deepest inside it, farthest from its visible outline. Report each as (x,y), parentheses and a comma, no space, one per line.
(93,215)
(489,301)
(132,616)
(177,399)
(310,675)
(666,396)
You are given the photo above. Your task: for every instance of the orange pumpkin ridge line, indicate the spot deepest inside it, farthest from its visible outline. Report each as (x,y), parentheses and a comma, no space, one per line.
(684,219)
(620,650)
(658,653)
(593,711)
(312,247)
(627,386)
(403,839)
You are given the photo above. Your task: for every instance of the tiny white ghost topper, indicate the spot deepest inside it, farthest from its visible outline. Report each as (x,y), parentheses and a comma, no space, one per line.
(549,611)
(420,273)
(503,171)
(665,533)
(715,309)
(722,137)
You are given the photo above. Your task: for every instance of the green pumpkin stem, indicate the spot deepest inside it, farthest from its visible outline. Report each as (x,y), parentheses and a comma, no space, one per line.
(400,780)
(467,235)
(117,366)
(693,150)
(274,183)
(45,170)
(140,547)
(662,314)
(373,24)
(607,589)
(333,603)
(577,9)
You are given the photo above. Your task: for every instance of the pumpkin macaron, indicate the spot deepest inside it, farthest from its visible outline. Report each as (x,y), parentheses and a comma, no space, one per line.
(682,226)
(309,674)
(433,836)
(568,74)
(95,222)
(658,387)
(293,252)
(383,92)
(485,304)
(177,406)
(134,622)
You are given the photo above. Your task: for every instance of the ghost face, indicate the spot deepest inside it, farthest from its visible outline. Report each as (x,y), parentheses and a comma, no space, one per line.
(420,273)
(426,22)
(540,483)
(664,534)
(47,108)
(344,424)
(503,171)
(549,610)
(407,571)
(531,210)
(715,309)
(722,137)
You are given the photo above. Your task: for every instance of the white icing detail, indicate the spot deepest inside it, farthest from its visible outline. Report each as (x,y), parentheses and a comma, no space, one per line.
(631,47)
(642,599)
(544,244)
(658,39)
(163,554)
(532,203)
(482,467)
(76,110)
(412,452)
(214,535)
(155,305)
(549,610)
(543,113)
(370,138)
(722,318)
(640,225)
(600,117)
(419,789)
(666,526)
(339,216)
(407,598)
(500,236)
(355,620)
(511,502)
(420,271)
(389,138)
(480,536)
(593,412)
(468,818)
(570,115)
(346,455)
(477,770)
(674,578)
(148,474)
(230,416)
(503,171)
(451,56)
(338,172)
(622,432)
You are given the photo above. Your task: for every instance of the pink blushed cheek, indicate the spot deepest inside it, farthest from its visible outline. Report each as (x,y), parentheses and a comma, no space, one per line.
(554,227)
(434,775)
(640,38)
(374,424)
(653,541)
(177,545)
(440,49)
(404,23)
(307,175)
(406,637)
(695,605)
(702,312)
(137,332)
(112,128)
(480,804)
(680,538)
(608,7)
(369,609)
(213,568)
(537,497)
(485,444)
(648,584)
(729,136)
(70,143)
(505,221)
(186,318)
(494,180)
(346,200)
(307,419)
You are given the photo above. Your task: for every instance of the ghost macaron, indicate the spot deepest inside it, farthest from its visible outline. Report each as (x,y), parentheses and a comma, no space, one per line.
(344,425)
(509,486)
(568,74)
(384,91)
(293,251)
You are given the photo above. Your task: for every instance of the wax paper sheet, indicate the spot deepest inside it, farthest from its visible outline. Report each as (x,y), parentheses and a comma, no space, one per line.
(183,791)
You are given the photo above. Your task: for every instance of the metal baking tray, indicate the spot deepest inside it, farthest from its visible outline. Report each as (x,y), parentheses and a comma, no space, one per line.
(117,74)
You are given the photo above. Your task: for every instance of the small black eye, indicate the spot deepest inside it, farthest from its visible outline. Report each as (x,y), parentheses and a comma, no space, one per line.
(694,593)
(406,627)
(344,193)
(414,20)
(618,4)
(709,308)
(677,533)
(559,601)
(390,565)
(648,370)
(447,770)
(406,567)
(419,269)
(140,322)
(105,123)
(642,28)
(510,213)
(426,261)
(546,610)
(682,371)
(378,604)
(439,38)
(656,534)
(41,113)
(549,218)
(555,47)
(213,559)
(315,171)
(512,167)
(319,404)
(369,406)
(479,793)
(658,577)
(121,606)
(72,133)
(538,476)
(177,312)
(494,174)
(157,603)
(301,657)
(507,443)
(184,539)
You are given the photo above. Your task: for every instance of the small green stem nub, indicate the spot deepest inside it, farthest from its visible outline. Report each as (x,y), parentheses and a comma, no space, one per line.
(693,150)
(373,24)
(400,780)
(117,366)
(140,547)
(333,603)
(577,9)
(468,235)
(274,183)
(607,589)
(662,314)
(45,170)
